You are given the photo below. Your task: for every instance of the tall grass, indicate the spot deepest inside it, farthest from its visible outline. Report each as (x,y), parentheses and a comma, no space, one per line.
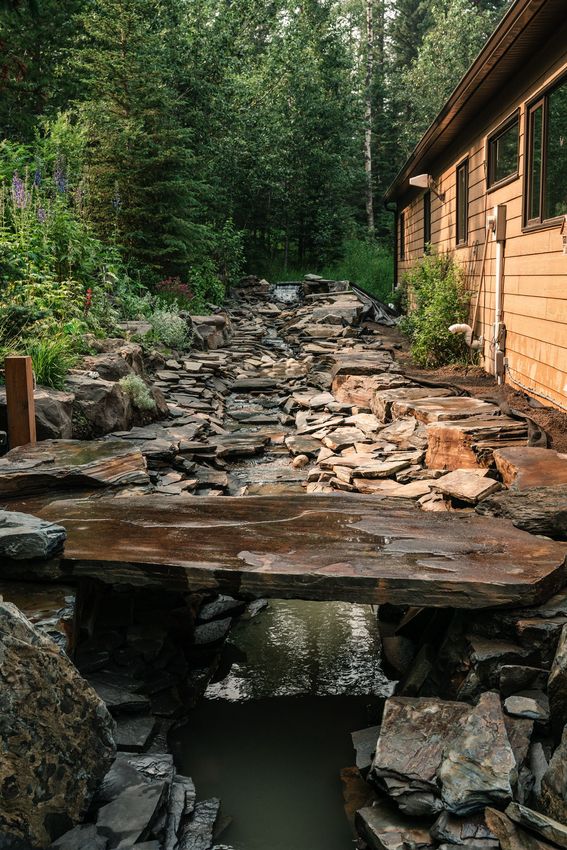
(368,264)
(51,358)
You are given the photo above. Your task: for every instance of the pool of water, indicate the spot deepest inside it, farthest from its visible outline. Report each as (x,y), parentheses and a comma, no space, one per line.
(273,732)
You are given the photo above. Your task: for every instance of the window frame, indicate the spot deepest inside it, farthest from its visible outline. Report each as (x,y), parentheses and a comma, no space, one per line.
(492,185)
(461,240)
(402,234)
(426,221)
(541,100)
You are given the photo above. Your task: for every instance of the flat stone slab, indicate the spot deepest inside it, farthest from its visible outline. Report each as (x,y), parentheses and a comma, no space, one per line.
(525,467)
(356,548)
(66,464)
(443,409)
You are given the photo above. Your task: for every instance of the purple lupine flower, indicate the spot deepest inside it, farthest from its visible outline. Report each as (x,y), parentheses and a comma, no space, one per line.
(19,195)
(60,179)
(41,215)
(37,177)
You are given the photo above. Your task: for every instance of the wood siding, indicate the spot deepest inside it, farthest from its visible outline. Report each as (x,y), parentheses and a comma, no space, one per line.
(535,267)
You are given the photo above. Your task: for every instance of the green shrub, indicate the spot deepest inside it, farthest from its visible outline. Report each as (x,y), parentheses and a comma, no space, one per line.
(52,358)
(437,299)
(170,328)
(137,390)
(366,263)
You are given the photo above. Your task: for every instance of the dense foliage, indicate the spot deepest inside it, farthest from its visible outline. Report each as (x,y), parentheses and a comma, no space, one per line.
(155,149)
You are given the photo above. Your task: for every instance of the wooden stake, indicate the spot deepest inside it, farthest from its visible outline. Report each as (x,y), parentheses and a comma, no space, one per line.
(20,401)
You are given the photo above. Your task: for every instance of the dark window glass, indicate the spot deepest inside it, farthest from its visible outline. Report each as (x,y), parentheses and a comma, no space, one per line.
(426,220)
(462,202)
(555,191)
(503,154)
(402,236)
(536,163)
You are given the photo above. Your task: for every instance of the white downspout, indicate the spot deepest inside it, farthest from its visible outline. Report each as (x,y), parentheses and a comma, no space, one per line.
(499,343)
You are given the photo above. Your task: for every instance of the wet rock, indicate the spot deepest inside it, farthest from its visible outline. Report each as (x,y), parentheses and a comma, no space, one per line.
(197,831)
(254,608)
(119,700)
(219,607)
(557,684)
(83,837)
(181,805)
(364,743)
(385,829)
(212,632)
(133,734)
(129,818)
(357,793)
(519,731)
(478,766)
(546,828)
(489,656)
(410,748)
(48,710)
(530,704)
(25,537)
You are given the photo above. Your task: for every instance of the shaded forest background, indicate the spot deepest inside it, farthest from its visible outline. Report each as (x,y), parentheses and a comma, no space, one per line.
(170,145)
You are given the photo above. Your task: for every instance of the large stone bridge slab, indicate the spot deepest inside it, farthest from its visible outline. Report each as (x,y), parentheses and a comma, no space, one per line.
(354,548)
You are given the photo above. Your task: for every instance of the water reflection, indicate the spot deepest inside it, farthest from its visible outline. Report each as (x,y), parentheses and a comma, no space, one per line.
(296,647)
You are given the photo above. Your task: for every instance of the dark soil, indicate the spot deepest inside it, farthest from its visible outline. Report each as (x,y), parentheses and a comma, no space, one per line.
(478,383)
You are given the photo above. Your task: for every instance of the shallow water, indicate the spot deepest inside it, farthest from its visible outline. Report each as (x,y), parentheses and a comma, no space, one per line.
(274,732)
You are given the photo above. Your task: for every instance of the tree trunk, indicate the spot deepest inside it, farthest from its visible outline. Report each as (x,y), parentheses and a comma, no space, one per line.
(368,115)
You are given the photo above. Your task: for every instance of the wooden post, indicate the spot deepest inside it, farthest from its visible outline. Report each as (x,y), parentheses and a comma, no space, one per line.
(20,401)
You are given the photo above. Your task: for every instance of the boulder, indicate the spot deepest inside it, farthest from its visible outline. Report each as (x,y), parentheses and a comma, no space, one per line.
(478,766)
(101,407)
(56,735)
(409,750)
(385,829)
(25,537)
(110,367)
(539,510)
(510,836)
(129,818)
(53,413)
(545,827)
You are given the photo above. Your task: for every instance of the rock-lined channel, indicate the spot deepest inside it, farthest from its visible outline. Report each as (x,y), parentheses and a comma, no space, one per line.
(272,733)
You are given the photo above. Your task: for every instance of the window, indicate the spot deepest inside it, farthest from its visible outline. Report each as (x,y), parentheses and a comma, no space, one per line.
(402,236)
(426,221)
(503,152)
(546,183)
(463,203)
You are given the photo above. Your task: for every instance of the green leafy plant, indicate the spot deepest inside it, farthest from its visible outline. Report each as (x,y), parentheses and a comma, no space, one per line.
(138,392)
(170,328)
(52,358)
(437,299)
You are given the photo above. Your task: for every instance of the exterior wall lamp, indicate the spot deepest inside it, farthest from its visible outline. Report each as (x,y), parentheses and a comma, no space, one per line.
(426,181)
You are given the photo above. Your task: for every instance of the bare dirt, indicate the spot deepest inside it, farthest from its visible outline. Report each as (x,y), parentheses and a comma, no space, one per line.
(477,383)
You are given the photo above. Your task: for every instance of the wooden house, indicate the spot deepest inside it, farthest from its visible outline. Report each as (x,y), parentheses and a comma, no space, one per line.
(487,183)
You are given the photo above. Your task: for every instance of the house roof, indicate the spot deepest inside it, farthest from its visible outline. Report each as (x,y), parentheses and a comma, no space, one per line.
(522,30)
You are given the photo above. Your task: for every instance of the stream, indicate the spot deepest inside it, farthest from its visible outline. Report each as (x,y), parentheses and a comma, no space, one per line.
(273,731)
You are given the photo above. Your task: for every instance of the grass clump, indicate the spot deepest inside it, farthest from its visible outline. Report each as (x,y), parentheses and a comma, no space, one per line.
(437,298)
(51,359)
(138,392)
(366,263)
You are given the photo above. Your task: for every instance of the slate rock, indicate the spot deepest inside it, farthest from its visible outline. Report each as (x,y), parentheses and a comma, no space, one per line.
(56,733)
(409,750)
(383,828)
(180,806)
(478,766)
(198,830)
(531,704)
(518,677)
(25,537)
(103,405)
(133,734)
(119,700)
(130,816)
(510,836)
(364,743)
(557,683)
(83,837)
(489,656)
(450,829)
(218,608)
(212,632)
(546,828)
(553,798)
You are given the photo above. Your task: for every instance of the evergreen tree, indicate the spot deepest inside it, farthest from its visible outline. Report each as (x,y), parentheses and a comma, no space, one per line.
(142,187)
